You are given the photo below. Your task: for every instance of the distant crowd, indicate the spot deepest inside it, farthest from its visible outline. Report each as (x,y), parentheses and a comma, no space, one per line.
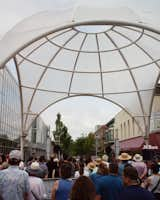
(80,178)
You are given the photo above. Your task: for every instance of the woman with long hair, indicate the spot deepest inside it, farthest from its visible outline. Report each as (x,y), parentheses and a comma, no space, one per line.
(83,189)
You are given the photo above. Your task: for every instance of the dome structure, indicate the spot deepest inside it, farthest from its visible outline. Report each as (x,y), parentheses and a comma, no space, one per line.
(108,53)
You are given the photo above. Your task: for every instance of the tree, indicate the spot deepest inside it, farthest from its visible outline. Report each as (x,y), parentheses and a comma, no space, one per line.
(84,145)
(61,136)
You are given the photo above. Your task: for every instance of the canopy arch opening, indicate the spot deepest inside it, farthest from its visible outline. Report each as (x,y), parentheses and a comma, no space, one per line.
(119,63)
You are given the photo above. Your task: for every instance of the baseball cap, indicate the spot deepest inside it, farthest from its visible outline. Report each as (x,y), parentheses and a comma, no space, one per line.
(16,154)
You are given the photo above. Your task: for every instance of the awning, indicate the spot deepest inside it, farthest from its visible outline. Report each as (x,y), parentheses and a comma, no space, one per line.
(132,144)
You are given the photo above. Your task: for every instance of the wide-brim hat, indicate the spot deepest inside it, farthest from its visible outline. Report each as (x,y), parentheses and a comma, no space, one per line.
(98,161)
(124,156)
(137,157)
(91,166)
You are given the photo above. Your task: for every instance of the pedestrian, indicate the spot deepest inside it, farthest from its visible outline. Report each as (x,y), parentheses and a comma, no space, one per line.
(110,186)
(101,172)
(133,190)
(43,166)
(61,188)
(153,182)
(83,189)
(124,160)
(140,166)
(37,188)
(14,183)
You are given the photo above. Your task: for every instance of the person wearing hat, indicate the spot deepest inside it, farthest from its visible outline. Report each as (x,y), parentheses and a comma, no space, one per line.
(140,166)
(14,183)
(105,160)
(124,158)
(133,191)
(37,188)
(88,170)
(101,172)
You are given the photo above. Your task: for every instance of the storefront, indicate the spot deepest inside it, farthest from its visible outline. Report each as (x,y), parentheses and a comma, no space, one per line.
(132,144)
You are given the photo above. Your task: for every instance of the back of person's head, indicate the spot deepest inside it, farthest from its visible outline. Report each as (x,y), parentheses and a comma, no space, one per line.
(65,156)
(155,168)
(83,189)
(103,169)
(88,159)
(66,170)
(42,159)
(130,176)
(113,168)
(14,157)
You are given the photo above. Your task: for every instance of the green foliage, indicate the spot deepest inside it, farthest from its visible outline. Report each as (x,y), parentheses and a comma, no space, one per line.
(84,145)
(61,135)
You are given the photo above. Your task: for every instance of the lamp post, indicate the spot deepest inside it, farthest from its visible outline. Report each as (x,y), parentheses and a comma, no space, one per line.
(96,137)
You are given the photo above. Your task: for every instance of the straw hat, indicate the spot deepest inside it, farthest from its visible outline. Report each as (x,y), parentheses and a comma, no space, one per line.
(137,157)
(124,156)
(91,166)
(98,161)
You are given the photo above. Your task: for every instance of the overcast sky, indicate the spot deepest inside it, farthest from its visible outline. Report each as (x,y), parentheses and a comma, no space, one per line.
(80,114)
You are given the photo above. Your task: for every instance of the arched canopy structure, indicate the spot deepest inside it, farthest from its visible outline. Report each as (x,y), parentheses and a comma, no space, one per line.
(106,53)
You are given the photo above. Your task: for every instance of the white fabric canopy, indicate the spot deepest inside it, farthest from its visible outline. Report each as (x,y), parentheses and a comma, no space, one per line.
(102,52)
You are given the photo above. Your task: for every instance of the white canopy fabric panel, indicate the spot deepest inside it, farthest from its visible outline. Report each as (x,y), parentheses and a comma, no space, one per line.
(100,52)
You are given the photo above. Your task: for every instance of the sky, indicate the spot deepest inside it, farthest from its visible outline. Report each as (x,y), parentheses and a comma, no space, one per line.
(80,114)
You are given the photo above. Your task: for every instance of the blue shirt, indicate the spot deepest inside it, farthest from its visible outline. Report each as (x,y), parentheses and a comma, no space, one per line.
(14,183)
(64,189)
(96,178)
(136,193)
(110,187)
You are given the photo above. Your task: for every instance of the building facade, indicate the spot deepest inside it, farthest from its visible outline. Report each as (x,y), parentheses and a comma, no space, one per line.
(129,134)
(124,134)
(10,112)
(38,141)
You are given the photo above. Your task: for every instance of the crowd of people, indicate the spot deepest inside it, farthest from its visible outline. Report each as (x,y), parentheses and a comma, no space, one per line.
(126,178)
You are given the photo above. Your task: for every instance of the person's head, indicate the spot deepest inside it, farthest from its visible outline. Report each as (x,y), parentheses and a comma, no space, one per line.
(105,158)
(102,169)
(130,176)
(35,170)
(66,170)
(155,168)
(88,159)
(83,189)
(42,159)
(137,157)
(98,161)
(14,157)
(91,166)
(113,168)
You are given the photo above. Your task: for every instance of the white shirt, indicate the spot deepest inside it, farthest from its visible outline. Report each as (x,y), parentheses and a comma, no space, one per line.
(37,187)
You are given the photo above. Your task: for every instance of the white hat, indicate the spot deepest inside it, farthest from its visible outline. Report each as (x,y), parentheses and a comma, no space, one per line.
(105,158)
(35,165)
(16,154)
(35,170)
(137,157)
(56,160)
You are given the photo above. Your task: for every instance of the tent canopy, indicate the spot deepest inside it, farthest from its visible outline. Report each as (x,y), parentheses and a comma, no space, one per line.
(103,52)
